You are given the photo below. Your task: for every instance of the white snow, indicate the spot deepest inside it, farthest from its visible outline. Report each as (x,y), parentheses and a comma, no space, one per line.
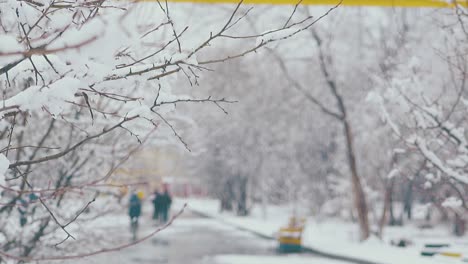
(254,259)
(432,157)
(427,185)
(393,173)
(138,109)
(459,161)
(375,98)
(452,202)
(9,44)
(53,96)
(430,177)
(399,150)
(331,236)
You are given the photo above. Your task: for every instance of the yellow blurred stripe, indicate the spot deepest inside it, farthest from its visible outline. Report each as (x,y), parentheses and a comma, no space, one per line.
(290,240)
(387,3)
(451,254)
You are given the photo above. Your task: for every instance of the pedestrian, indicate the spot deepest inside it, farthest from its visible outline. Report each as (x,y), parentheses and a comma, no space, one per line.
(156,205)
(165,203)
(134,208)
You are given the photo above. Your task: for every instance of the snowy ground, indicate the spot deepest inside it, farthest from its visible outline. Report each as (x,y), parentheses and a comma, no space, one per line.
(192,240)
(338,237)
(253,259)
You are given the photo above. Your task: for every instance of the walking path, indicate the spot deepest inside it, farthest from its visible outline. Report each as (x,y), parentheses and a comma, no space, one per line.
(193,239)
(326,239)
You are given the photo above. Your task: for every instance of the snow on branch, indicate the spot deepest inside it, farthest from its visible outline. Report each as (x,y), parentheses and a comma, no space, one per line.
(436,161)
(84,85)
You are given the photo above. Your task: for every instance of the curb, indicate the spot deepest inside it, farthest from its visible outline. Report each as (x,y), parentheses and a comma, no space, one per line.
(305,248)
(258,234)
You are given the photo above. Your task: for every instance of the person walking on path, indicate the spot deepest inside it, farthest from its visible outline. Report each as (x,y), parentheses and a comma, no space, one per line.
(165,202)
(134,211)
(156,205)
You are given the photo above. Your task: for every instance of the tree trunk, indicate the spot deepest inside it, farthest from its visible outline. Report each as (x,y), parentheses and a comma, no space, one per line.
(358,192)
(408,203)
(242,199)
(459,225)
(227,197)
(387,206)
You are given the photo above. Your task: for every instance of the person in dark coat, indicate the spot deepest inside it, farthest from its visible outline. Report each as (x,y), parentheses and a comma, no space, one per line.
(165,202)
(156,205)
(134,207)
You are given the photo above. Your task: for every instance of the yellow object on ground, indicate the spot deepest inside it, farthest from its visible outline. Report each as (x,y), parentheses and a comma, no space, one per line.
(290,235)
(451,254)
(387,3)
(290,238)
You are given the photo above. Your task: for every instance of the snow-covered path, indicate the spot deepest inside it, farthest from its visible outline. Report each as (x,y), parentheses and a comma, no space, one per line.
(195,240)
(332,237)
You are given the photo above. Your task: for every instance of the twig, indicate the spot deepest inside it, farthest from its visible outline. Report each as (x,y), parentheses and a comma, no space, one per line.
(104,250)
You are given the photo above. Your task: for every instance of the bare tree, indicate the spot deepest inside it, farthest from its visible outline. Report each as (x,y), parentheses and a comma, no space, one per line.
(85,85)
